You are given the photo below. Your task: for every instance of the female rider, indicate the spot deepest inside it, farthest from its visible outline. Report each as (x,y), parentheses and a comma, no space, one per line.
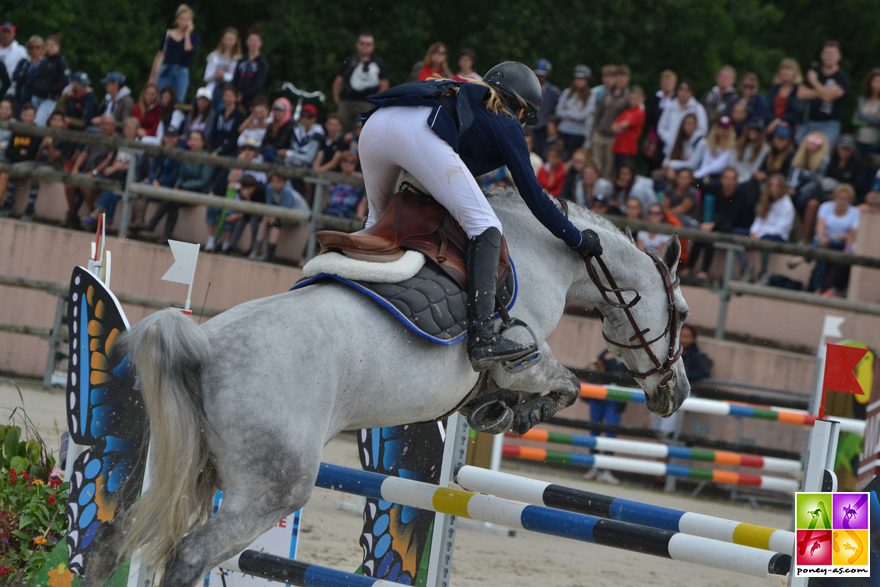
(444,132)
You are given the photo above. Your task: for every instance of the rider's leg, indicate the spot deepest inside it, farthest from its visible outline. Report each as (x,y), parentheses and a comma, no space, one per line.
(380,169)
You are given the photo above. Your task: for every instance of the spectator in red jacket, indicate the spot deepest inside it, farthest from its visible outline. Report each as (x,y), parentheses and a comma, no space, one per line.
(628,127)
(148,111)
(551,176)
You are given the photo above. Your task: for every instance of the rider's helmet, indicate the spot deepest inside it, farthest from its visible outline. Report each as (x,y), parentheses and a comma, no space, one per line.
(519,86)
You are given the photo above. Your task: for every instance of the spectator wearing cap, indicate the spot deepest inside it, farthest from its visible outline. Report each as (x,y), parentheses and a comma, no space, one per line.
(221,65)
(653,148)
(750,152)
(254,126)
(824,88)
(176,49)
(719,145)
(783,105)
(756,103)
(467,60)
(77,102)
(27,69)
(201,115)
(52,77)
(117,102)
(433,65)
(572,110)
(866,117)
(306,139)
(720,99)
(359,76)
(11,52)
(148,111)
(779,155)
(628,127)
(251,69)
(549,97)
(612,104)
(674,113)
(846,166)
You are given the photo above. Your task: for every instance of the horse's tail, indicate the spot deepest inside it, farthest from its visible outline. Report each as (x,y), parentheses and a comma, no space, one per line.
(169,353)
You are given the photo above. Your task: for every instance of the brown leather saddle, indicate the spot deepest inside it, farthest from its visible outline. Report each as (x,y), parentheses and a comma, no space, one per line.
(413,221)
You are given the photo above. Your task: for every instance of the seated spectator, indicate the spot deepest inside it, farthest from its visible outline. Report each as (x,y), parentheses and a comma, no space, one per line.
(687,151)
(254,126)
(347,201)
(25,73)
(329,158)
(118,101)
(755,102)
(551,176)
(651,242)
(805,179)
(21,151)
(628,127)
(54,154)
(628,184)
(553,137)
(720,99)
(148,111)
(162,174)
(249,190)
(170,117)
(227,122)
(572,111)
(589,186)
(866,117)
(783,106)
(176,51)
(680,198)
(739,115)
(53,75)
(6,111)
(634,209)
(774,219)
(279,192)
(277,137)
(716,156)
(77,102)
(91,162)
(573,170)
(601,206)
(467,60)
(750,151)
(846,167)
(534,158)
(779,155)
(432,66)
(201,115)
(871,204)
(226,183)
(251,70)
(836,225)
(726,217)
(673,115)
(221,65)
(117,170)
(305,141)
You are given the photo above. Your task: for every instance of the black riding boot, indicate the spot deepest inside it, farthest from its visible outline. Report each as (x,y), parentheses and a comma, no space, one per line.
(486,347)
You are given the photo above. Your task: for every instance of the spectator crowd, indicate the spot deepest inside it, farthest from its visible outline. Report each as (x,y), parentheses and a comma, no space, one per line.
(770,164)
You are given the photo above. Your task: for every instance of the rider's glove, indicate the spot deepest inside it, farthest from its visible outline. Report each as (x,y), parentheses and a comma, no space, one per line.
(593,247)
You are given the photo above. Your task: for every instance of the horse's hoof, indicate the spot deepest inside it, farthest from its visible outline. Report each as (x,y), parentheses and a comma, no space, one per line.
(492,417)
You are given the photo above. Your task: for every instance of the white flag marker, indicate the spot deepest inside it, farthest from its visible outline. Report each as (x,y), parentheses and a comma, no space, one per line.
(832,326)
(184,268)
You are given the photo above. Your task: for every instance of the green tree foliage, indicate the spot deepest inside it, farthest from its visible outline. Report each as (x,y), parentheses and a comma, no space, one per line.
(306,41)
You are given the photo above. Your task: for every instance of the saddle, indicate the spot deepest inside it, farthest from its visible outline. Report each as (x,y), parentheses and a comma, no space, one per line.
(413,221)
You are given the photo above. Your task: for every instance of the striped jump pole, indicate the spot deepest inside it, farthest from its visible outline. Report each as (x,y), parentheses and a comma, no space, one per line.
(720,408)
(529,453)
(614,508)
(293,572)
(663,451)
(485,508)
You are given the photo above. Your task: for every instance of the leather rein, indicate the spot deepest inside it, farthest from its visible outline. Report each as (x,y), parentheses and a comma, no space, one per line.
(639,340)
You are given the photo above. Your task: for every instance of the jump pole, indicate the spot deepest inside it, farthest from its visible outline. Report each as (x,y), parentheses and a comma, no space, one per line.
(643,467)
(662,543)
(662,451)
(293,572)
(550,495)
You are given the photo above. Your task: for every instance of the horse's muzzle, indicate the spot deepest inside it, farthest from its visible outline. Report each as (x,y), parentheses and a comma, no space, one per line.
(668,396)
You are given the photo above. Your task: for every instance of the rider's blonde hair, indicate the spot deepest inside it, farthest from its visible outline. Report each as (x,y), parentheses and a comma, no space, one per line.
(495,102)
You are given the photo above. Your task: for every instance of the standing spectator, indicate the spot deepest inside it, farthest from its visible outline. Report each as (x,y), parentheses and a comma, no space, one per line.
(118,102)
(11,52)
(825,87)
(805,179)
(117,170)
(612,104)
(78,103)
(551,176)
(628,127)
(609,76)
(630,185)
(553,139)
(251,69)
(680,198)
(653,148)
(6,111)
(720,99)
(21,151)
(756,103)
(347,201)
(359,76)
(653,242)
(433,65)
(52,77)
(836,228)
(866,118)
(306,139)
(254,126)
(674,113)
(846,166)
(221,65)
(201,115)
(91,162)
(329,158)
(779,156)
(687,150)
(176,50)
(549,97)
(572,110)
(279,193)
(467,60)
(605,411)
(719,145)
(783,105)
(148,111)
(277,137)
(750,150)
(27,69)
(774,219)
(228,121)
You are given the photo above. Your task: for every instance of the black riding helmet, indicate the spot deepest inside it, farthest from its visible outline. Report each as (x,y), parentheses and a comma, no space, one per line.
(519,87)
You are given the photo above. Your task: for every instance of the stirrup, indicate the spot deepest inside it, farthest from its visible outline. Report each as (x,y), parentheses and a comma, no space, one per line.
(530,359)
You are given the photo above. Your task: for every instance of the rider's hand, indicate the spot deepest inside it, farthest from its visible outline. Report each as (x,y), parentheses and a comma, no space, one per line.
(593,247)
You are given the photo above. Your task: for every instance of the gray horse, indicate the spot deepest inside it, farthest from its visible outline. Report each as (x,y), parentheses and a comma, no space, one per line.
(247,402)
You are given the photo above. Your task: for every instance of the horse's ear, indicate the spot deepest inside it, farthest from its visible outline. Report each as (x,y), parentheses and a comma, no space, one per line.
(629,234)
(672,253)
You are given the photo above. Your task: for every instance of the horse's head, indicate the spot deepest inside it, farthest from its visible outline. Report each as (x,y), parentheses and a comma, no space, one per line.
(643,311)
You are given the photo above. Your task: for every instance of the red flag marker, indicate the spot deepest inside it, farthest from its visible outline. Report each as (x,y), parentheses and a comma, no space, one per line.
(839,364)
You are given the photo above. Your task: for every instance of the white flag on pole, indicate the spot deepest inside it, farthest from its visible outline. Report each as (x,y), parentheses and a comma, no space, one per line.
(184,268)
(832,326)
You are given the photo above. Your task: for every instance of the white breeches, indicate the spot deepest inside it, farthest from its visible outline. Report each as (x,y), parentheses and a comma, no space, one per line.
(399,137)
